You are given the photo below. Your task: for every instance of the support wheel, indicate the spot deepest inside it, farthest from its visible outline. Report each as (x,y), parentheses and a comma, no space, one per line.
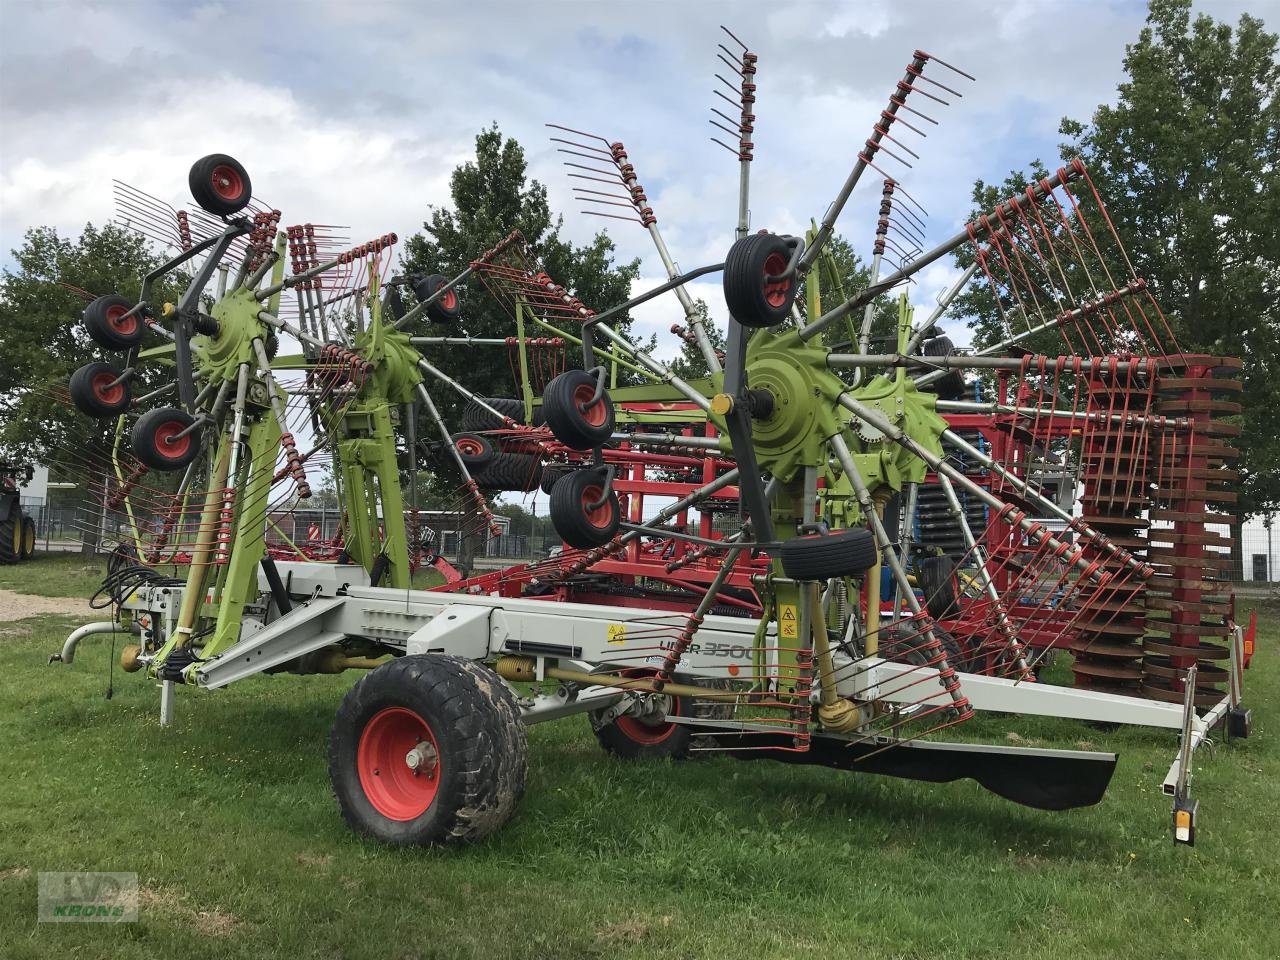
(96,393)
(579,519)
(444,310)
(752,298)
(577,420)
(107,324)
(220,185)
(644,733)
(159,439)
(842,553)
(428,749)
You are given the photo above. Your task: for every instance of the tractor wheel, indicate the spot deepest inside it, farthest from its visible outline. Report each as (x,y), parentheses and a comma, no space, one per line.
(428,749)
(576,520)
(474,451)
(11,537)
(107,324)
(477,418)
(952,386)
(28,538)
(158,440)
(446,309)
(841,553)
(647,736)
(574,418)
(753,300)
(95,392)
(520,472)
(938,582)
(220,185)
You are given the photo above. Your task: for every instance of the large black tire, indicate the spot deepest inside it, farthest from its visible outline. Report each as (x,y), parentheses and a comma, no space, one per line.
(903,645)
(952,386)
(475,451)
(552,473)
(220,185)
(154,439)
(520,472)
(577,525)
(476,418)
(11,537)
(28,538)
(92,391)
(105,320)
(470,717)
(841,553)
(938,583)
(576,428)
(446,309)
(751,300)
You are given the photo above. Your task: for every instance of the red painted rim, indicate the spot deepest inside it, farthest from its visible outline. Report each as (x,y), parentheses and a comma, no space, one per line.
(167,442)
(106,390)
(118,322)
(775,293)
(392,786)
(227,182)
(596,414)
(647,732)
(469,446)
(600,517)
(449,300)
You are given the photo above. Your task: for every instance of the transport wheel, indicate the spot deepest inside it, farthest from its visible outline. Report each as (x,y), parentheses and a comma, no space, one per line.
(841,553)
(95,392)
(444,310)
(428,749)
(476,452)
(645,734)
(477,418)
(158,440)
(220,185)
(753,300)
(520,472)
(578,521)
(563,403)
(107,324)
(28,538)
(938,581)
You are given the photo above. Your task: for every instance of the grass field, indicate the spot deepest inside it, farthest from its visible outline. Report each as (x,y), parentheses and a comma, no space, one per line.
(227,819)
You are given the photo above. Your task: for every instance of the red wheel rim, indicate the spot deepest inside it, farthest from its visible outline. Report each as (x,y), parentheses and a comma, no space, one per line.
(395,789)
(167,442)
(775,293)
(118,322)
(469,447)
(106,390)
(599,517)
(450,299)
(596,414)
(227,182)
(645,731)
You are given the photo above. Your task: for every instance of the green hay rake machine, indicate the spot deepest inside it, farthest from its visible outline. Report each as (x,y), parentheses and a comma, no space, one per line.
(816,439)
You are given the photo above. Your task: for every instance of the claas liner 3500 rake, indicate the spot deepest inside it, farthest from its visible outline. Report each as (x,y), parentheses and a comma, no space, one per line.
(817,448)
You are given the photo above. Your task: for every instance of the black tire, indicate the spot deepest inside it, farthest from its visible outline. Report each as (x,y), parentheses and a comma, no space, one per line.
(220,185)
(952,386)
(476,418)
(11,537)
(551,474)
(475,451)
(479,736)
(28,538)
(752,301)
(154,441)
(445,310)
(841,553)
(93,394)
(107,324)
(575,428)
(903,645)
(576,525)
(938,583)
(520,472)
(648,737)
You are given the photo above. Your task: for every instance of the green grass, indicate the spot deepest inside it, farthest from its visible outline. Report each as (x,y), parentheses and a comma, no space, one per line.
(55,575)
(227,819)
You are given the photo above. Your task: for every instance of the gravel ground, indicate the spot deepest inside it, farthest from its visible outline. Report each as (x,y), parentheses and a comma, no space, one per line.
(17,606)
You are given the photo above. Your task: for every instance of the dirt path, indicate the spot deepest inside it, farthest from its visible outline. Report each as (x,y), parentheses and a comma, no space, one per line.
(17,606)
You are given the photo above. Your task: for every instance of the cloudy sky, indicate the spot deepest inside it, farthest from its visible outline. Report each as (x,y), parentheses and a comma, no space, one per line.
(356,112)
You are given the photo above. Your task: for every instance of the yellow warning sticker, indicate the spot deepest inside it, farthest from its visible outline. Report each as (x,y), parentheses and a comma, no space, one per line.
(788,622)
(617,634)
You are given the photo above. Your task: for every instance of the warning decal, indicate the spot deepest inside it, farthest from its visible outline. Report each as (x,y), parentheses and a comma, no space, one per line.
(617,634)
(788,624)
